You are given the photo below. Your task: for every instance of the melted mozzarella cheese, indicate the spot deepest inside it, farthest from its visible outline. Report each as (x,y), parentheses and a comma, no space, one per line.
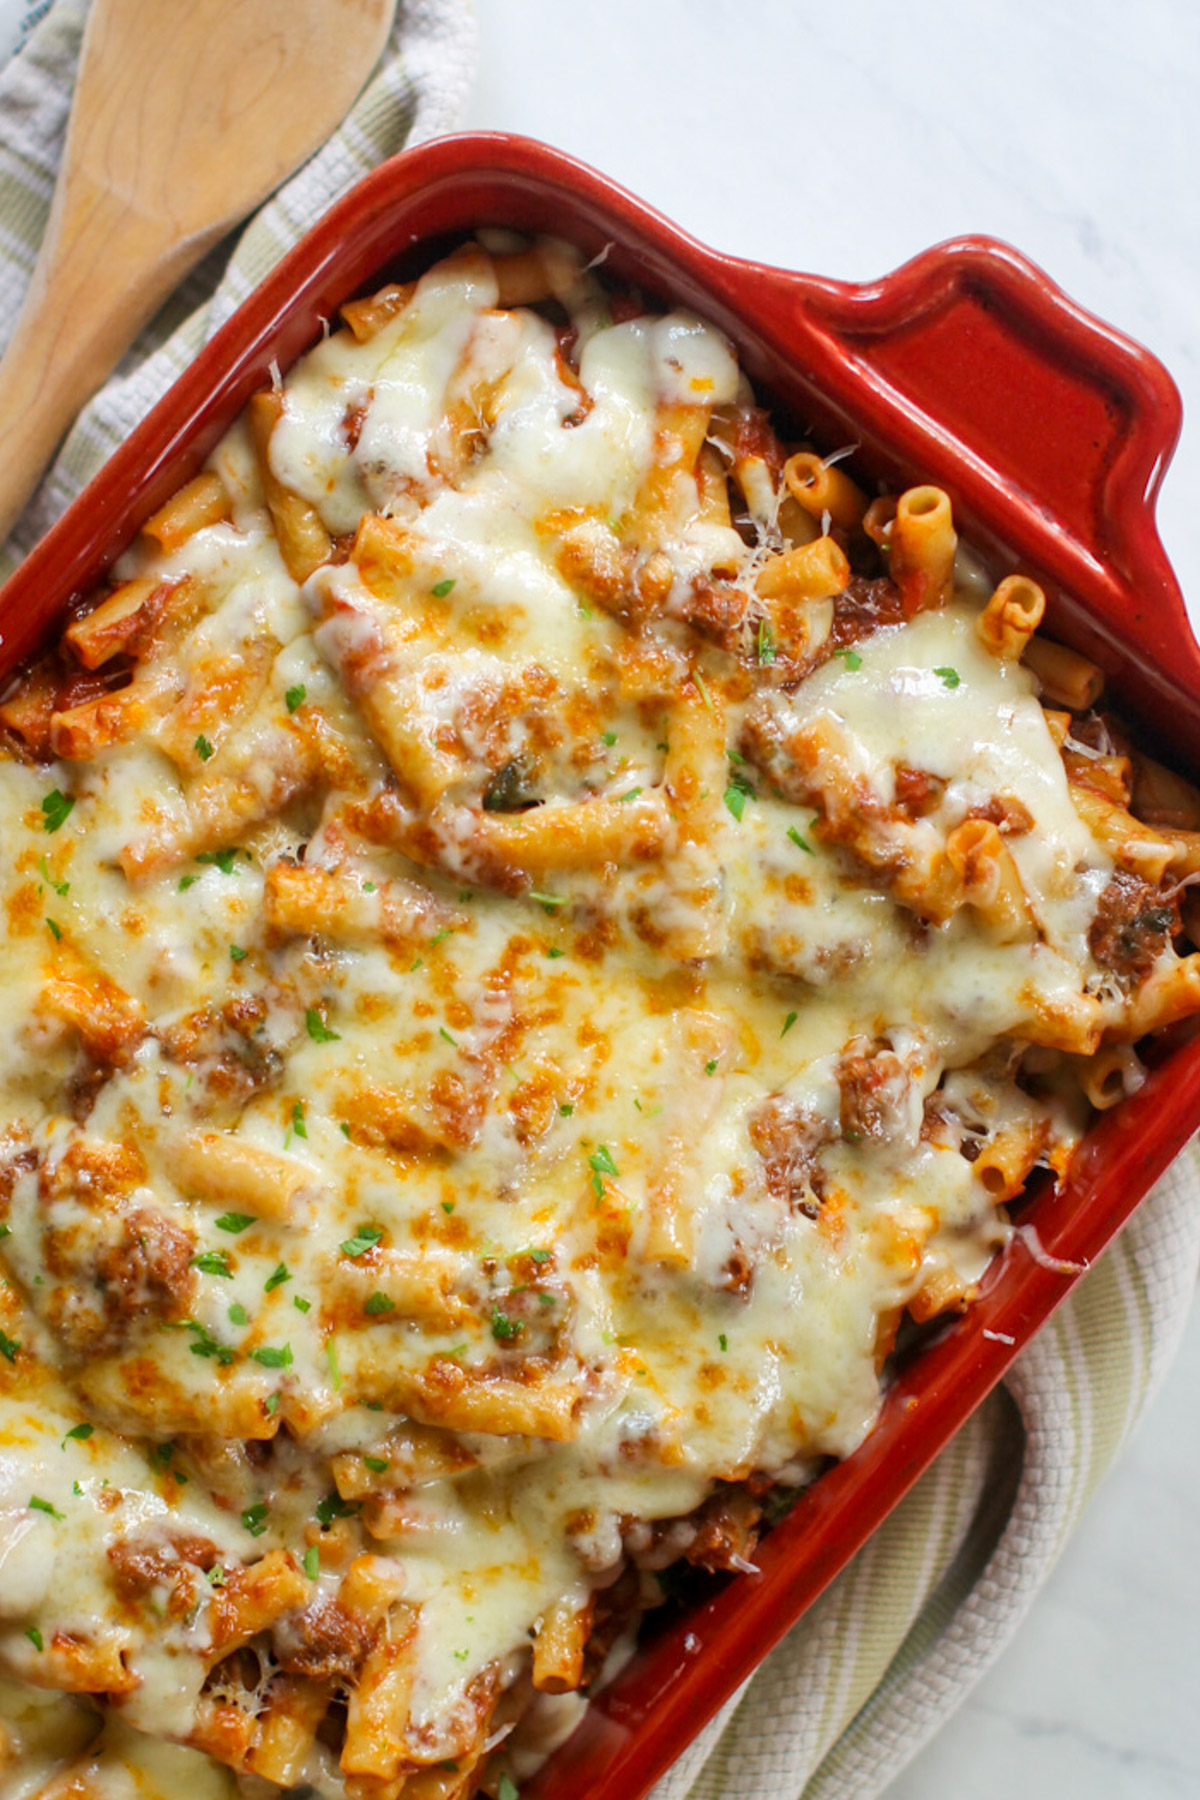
(563,1127)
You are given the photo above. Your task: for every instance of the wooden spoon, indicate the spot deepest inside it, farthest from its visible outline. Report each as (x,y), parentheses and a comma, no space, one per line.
(187,113)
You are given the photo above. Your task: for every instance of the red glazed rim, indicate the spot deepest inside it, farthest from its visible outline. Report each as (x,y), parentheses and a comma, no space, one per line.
(1051,431)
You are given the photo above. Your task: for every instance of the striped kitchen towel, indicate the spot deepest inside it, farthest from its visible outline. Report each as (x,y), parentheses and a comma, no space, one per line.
(899,1639)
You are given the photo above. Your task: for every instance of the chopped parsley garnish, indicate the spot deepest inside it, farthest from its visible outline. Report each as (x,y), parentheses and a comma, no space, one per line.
(78,1434)
(203,748)
(702,689)
(565,1109)
(504,1328)
(235,1222)
(632,794)
(539,1256)
(548,902)
(554,952)
(950,677)
(298,1125)
(295,696)
(238,1314)
(271,1404)
(220,859)
(273,1357)
(55,930)
(44,1506)
(301,1304)
(213,1262)
(333,1507)
(312,1562)
(801,843)
(737,793)
(788,1023)
(851,658)
(710,1067)
(5,1231)
(601,1164)
(723,1341)
(447,1206)
(364,1239)
(609,738)
(317,1029)
(206,1344)
(187,881)
(453,1042)
(61,888)
(379,1303)
(278,1276)
(765,644)
(335,1367)
(508,1789)
(442,588)
(254,1518)
(378,1465)
(237,953)
(56,810)
(35,1637)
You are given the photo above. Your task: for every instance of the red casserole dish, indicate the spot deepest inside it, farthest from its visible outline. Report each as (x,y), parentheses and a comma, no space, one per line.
(967,367)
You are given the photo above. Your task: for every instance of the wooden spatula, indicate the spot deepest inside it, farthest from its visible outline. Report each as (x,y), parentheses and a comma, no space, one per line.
(187,113)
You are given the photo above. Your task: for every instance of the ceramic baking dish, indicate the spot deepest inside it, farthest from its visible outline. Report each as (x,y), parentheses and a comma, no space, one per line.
(1050,431)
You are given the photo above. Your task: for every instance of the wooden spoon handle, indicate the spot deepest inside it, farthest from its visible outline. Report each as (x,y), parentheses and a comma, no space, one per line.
(185,118)
(93,288)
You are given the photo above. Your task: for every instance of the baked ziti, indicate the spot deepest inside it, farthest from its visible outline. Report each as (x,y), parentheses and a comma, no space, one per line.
(541,920)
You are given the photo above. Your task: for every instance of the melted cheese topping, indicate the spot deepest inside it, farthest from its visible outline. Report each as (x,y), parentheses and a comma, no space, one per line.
(568,1183)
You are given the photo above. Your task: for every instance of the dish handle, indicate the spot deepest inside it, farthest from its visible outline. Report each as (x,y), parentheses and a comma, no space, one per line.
(978,370)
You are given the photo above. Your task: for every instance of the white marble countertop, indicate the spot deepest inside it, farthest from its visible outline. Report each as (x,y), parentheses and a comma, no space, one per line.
(842,140)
